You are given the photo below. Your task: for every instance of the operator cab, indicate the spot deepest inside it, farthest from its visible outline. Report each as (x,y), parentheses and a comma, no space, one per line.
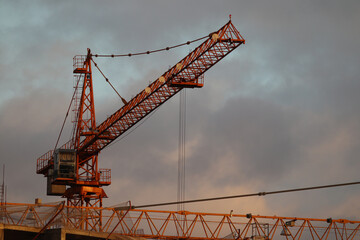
(63,171)
(64,164)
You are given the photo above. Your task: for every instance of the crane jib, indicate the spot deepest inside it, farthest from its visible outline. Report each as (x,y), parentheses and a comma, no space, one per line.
(188,72)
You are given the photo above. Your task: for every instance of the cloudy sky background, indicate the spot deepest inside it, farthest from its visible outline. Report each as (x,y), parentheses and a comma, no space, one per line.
(280,112)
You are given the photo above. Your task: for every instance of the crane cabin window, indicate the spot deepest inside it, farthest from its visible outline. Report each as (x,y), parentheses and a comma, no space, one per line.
(64,163)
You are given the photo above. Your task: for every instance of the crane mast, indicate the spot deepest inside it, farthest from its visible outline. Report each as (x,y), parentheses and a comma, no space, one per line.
(75,164)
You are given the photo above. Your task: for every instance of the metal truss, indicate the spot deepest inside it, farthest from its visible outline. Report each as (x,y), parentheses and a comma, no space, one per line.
(152,224)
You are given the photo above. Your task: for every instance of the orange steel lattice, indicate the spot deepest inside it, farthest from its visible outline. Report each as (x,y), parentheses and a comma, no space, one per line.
(124,221)
(86,182)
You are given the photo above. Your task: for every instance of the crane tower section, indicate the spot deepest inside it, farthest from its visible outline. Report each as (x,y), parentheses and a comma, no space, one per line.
(72,170)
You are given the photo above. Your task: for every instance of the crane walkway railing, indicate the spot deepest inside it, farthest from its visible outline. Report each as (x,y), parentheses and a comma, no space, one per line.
(45,161)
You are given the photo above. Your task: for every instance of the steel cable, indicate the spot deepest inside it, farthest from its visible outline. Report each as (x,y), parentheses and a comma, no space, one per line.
(148,52)
(247,195)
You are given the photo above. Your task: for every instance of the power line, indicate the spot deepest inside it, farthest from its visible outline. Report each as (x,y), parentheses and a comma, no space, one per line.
(248,195)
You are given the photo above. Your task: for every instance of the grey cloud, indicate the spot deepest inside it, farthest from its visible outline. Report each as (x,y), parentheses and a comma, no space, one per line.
(278,112)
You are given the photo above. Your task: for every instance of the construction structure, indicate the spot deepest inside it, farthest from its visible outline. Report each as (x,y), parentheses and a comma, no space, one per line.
(75,164)
(124,222)
(73,172)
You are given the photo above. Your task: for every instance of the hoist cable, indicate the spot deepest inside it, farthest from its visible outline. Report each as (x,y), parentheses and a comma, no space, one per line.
(148,52)
(181,150)
(248,195)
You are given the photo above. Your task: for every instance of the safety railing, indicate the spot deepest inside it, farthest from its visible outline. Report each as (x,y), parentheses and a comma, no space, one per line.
(78,62)
(105,176)
(44,162)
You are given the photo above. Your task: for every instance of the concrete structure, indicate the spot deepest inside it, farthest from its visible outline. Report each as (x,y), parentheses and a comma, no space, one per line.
(13,232)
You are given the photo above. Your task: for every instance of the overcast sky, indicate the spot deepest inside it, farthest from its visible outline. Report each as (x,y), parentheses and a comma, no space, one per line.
(281,111)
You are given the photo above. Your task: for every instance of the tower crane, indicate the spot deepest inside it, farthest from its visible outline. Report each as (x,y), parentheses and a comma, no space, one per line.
(72,170)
